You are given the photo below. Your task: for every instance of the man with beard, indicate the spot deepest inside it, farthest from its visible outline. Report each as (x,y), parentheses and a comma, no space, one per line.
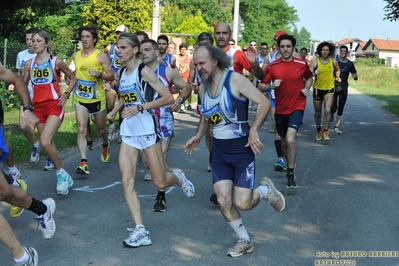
(168,77)
(224,96)
(240,61)
(165,57)
(288,75)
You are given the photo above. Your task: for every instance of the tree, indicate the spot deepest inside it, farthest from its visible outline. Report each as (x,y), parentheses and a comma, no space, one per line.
(220,10)
(303,38)
(391,10)
(263,18)
(193,25)
(108,14)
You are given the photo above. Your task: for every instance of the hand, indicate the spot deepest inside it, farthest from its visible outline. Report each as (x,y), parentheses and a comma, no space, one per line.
(277,82)
(254,142)
(191,144)
(305,92)
(93,72)
(175,106)
(31,119)
(107,87)
(63,99)
(129,112)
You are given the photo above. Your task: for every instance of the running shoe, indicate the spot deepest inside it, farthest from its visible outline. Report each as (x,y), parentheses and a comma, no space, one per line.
(148,176)
(49,166)
(242,247)
(326,136)
(33,258)
(209,169)
(35,155)
(318,135)
(290,180)
(213,198)
(185,184)
(15,211)
(119,138)
(105,154)
(138,237)
(90,145)
(280,165)
(274,197)
(111,132)
(46,220)
(16,175)
(160,204)
(189,108)
(83,168)
(337,131)
(64,182)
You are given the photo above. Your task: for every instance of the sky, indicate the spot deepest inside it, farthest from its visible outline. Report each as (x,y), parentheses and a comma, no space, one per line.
(339,19)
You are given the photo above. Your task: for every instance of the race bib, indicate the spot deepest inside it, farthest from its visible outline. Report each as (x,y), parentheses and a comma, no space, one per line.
(213,115)
(42,74)
(85,89)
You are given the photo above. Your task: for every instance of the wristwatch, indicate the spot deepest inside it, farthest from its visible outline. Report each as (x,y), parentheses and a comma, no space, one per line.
(181,99)
(140,108)
(28,107)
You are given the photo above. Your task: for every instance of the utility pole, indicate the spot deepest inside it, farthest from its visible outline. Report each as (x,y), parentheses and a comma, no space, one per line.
(235,19)
(156,20)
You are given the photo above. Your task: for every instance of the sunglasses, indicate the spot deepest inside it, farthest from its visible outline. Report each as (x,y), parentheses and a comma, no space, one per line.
(245,50)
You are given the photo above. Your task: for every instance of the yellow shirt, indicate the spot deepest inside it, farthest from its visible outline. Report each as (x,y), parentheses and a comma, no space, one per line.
(324,80)
(88,88)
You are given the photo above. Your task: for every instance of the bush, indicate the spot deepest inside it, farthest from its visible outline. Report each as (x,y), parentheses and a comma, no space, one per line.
(11,100)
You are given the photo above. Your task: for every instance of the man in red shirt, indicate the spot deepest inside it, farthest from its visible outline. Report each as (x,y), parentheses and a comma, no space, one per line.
(240,61)
(288,74)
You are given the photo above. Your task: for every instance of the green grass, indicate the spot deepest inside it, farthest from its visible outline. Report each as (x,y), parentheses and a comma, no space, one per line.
(381,83)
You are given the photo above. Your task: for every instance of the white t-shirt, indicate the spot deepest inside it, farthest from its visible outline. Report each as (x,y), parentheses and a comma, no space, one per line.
(22,57)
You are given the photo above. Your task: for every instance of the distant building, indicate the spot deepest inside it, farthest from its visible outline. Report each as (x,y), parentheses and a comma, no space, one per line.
(383,48)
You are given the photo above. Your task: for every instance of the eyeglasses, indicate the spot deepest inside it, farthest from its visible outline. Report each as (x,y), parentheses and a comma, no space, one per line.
(245,50)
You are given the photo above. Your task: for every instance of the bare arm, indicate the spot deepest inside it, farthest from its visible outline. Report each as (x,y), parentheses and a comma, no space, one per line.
(337,71)
(184,87)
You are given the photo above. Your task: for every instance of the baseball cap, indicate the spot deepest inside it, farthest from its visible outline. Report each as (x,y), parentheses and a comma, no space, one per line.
(121,28)
(278,34)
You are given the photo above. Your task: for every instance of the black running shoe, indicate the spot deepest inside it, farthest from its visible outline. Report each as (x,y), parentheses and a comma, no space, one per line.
(290,180)
(213,198)
(160,204)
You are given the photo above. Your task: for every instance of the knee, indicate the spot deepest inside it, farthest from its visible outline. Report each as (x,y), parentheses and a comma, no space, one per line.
(45,144)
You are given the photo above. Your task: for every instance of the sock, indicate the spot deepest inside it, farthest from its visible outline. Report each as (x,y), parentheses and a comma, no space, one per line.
(22,259)
(105,145)
(263,191)
(240,230)
(83,160)
(318,129)
(90,142)
(140,227)
(290,169)
(13,169)
(161,194)
(37,207)
(325,130)
(37,144)
(60,171)
(279,148)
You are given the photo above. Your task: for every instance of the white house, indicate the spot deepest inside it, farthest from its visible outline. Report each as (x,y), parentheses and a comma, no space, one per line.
(351,43)
(383,48)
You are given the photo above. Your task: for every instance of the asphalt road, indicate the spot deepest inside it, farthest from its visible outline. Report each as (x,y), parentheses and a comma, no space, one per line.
(343,210)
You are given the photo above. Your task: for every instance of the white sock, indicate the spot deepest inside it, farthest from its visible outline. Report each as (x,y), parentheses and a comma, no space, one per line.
(23,259)
(13,169)
(140,227)
(37,144)
(263,191)
(60,171)
(240,230)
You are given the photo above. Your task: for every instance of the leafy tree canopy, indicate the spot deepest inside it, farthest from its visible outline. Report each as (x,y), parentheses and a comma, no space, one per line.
(391,10)
(108,14)
(193,25)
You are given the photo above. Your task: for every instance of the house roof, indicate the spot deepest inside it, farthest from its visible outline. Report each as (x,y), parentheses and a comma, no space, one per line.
(347,40)
(383,44)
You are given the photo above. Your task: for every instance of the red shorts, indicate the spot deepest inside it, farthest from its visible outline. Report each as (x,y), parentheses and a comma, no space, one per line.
(44,109)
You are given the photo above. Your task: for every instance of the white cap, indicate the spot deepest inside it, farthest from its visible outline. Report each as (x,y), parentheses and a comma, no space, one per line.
(121,28)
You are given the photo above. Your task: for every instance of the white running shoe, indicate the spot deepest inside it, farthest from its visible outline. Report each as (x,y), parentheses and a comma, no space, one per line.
(33,258)
(49,166)
(185,184)
(64,182)
(16,175)
(111,132)
(138,238)
(148,176)
(337,131)
(46,220)
(35,155)
(274,197)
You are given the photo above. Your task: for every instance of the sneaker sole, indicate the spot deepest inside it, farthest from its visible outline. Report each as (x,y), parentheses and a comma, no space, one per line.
(66,191)
(278,168)
(240,254)
(147,243)
(82,172)
(270,184)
